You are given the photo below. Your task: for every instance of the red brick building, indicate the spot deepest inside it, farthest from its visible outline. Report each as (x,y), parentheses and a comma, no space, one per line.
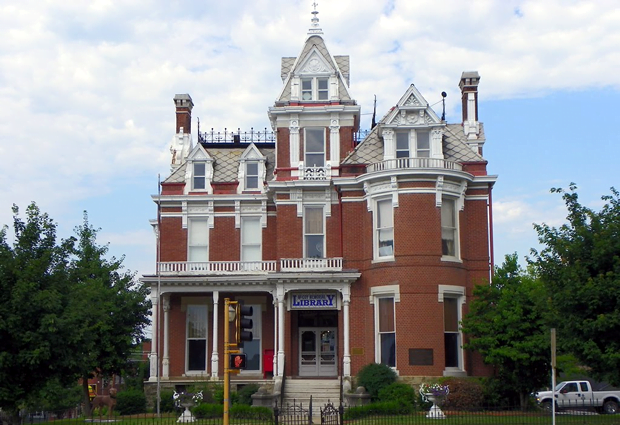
(350,250)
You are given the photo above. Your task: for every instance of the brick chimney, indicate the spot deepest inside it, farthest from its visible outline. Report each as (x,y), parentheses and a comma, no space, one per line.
(184,105)
(469,97)
(182,144)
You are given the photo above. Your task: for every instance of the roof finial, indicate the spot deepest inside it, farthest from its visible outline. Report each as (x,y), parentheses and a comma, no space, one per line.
(314,26)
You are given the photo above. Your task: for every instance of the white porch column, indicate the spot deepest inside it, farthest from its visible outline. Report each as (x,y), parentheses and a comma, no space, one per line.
(280,331)
(275,336)
(166,359)
(153,360)
(346,361)
(215,360)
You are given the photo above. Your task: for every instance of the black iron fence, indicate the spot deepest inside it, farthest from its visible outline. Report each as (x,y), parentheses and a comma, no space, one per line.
(575,413)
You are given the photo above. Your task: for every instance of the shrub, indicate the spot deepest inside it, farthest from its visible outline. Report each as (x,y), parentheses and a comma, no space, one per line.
(130,402)
(383,408)
(166,403)
(218,396)
(466,394)
(245,394)
(243,411)
(399,392)
(375,376)
(208,410)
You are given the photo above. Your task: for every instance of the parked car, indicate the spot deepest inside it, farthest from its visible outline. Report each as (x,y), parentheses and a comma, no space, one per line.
(581,394)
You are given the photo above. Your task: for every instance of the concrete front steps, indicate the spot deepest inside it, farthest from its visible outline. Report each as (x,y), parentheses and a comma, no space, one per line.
(322,391)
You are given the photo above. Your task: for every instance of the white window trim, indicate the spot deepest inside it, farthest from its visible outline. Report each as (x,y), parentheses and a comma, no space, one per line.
(377,292)
(457,237)
(206,338)
(375,244)
(458,292)
(322,207)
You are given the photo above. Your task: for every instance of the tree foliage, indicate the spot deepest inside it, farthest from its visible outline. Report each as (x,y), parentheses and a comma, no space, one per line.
(580,265)
(65,311)
(34,288)
(506,324)
(110,310)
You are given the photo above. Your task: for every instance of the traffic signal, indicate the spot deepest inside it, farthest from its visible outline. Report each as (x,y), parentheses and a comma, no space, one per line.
(237,361)
(244,324)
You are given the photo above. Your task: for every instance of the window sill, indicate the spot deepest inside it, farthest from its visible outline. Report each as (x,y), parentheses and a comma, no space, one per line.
(383,260)
(196,373)
(451,259)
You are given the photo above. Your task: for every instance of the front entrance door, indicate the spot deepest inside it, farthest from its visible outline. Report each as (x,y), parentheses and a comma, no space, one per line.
(317,348)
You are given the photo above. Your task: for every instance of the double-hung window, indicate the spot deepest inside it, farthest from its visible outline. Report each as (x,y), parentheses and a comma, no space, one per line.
(198,240)
(315,88)
(410,142)
(251,238)
(196,338)
(199,175)
(314,147)
(423,144)
(402,145)
(384,229)
(387,331)
(314,235)
(449,228)
(452,336)
(251,175)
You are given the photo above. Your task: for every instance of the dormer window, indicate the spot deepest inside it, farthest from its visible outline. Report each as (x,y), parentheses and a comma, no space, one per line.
(251,175)
(417,142)
(199,176)
(315,88)
(252,170)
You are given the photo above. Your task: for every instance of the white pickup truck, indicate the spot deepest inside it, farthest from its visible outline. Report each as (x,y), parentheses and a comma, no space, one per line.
(579,395)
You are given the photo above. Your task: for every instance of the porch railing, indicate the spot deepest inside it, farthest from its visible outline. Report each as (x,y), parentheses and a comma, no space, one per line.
(250,267)
(405,163)
(310,264)
(202,267)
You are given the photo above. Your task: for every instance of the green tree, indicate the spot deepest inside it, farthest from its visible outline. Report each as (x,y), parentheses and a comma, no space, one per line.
(580,266)
(109,308)
(33,320)
(506,324)
(66,311)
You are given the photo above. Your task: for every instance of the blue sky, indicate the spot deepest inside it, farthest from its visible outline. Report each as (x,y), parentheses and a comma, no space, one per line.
(86,88)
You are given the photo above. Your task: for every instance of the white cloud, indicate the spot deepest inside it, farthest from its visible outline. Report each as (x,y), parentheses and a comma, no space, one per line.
(86,88)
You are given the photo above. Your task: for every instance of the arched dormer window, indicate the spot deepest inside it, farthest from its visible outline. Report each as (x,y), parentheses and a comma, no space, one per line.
(252,170)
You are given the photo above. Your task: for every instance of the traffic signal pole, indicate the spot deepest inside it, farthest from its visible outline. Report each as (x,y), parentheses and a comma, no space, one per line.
(239,314)
(226,361)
